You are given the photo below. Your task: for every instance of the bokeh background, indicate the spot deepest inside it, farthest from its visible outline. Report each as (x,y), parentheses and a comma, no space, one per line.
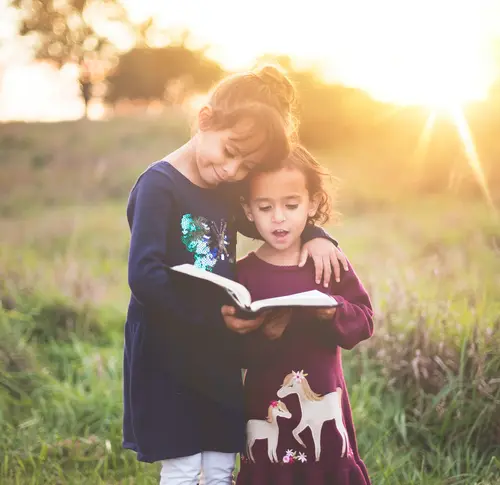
(399,99)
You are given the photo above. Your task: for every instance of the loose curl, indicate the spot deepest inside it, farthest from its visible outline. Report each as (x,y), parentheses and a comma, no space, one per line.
(318,181)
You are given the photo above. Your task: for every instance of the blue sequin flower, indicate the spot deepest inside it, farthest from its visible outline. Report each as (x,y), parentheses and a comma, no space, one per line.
(206,240)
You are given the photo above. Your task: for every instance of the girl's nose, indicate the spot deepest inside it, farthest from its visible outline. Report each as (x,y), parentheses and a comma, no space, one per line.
(231,168)
(278,215)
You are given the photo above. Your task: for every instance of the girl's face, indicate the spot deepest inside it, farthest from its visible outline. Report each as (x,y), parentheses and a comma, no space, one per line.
(279,204)
(228,155)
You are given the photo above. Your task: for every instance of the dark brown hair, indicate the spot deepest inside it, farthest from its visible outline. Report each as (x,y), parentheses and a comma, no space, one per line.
(265,95)
(319,182)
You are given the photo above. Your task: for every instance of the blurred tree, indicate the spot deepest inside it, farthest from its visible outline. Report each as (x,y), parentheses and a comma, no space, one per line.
(168,73)
(64,32)
(86,90)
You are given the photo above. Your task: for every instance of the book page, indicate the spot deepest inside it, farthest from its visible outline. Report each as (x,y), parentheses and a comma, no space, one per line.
(313,298)
(237,291)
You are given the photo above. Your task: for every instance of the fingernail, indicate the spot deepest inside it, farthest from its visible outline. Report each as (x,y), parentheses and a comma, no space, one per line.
(337,280)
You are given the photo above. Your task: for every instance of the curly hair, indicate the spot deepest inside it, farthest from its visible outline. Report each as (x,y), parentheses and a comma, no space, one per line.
(318,178)
(319,182)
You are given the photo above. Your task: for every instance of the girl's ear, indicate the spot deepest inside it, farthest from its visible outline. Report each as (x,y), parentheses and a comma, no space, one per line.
(246,209)
(313,205)
(205,117)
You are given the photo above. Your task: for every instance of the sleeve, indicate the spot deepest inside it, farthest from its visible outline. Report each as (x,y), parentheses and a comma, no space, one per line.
(247,228)
(353,320)
(150,212)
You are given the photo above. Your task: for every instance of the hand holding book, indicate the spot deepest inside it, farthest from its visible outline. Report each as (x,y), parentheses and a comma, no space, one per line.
(241,325)
(243,300)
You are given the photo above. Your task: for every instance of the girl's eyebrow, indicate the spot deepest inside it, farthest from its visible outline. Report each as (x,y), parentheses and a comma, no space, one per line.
(268,199)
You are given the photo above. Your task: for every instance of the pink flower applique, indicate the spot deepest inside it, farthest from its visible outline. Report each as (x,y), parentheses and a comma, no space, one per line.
(289,457)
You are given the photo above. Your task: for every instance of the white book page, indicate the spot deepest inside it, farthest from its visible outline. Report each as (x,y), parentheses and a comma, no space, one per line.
(313,298)
(235,289)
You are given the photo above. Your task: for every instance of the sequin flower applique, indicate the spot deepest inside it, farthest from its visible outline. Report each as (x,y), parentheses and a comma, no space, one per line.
(208,241)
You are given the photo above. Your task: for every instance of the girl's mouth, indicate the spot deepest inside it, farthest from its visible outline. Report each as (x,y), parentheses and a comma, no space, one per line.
(280,233)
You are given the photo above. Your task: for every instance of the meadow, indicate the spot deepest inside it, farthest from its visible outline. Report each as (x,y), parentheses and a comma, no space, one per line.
(425,390)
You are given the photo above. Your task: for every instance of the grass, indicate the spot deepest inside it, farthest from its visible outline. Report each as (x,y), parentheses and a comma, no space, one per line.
(425,391)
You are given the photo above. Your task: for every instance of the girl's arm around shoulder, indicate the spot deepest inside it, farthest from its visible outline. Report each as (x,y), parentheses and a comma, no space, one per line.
(353,319)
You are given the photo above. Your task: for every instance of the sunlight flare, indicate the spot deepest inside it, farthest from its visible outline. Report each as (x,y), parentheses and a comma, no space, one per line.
(471,154)
(424,140)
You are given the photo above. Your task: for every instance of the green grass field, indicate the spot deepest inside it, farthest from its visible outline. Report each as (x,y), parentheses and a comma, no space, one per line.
(425,390)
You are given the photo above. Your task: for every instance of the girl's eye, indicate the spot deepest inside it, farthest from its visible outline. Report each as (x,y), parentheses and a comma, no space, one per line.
(229,154)
(292,206)
(265,208)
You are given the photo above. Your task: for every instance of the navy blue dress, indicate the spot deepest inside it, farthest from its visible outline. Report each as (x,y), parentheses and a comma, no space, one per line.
(183,392)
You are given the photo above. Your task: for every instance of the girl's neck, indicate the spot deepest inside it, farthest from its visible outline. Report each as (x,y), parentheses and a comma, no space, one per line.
(285,257)
(184,160)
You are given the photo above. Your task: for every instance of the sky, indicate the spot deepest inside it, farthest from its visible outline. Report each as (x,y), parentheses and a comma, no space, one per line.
(435,52)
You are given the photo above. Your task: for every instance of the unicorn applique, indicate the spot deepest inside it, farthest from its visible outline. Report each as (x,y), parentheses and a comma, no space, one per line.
(267,429)
(316,410)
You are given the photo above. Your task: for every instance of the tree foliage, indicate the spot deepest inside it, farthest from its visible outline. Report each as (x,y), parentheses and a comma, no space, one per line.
(64,30)
(143,73)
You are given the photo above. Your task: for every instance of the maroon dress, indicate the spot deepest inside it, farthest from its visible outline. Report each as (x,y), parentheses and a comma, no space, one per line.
(299,421)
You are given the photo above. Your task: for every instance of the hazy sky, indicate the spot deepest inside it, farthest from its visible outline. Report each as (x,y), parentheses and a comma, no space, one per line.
(427,51)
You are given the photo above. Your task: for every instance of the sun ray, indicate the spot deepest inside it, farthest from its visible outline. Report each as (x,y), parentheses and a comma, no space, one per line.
(471,154)
(424,140)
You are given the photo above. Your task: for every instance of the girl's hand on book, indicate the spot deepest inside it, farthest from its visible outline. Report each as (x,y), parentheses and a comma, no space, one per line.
(325,313)
(240,325)
(276,324)
(325,256)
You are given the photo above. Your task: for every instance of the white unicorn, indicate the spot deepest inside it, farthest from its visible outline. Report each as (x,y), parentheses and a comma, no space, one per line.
(316,410)
(260,429)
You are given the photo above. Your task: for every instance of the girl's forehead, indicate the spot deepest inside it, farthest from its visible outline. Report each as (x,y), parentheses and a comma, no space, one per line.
(278,182)
(247,137)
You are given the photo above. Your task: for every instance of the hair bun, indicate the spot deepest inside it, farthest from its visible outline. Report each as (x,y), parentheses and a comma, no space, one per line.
(279,84)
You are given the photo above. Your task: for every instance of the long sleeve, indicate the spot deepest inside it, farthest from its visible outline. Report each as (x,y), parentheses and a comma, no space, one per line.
(353,320)
(150,213)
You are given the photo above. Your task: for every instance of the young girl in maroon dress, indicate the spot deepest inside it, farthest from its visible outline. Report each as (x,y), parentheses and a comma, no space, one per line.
(299,422)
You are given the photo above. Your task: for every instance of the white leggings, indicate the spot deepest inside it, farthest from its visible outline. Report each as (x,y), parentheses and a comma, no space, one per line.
(217,469)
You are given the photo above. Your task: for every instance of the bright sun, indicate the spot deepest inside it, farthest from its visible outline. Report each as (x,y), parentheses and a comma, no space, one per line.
(431,52)
(434,53)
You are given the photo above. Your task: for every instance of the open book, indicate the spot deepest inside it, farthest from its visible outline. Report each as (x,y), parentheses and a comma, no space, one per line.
(243,300)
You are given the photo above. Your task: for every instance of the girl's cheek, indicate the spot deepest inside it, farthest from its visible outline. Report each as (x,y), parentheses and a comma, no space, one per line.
(240,175)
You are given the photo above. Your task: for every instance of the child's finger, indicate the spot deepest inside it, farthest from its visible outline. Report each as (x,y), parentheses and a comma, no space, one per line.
(318,268)
(336,265)
(326,313)
(341,257)
(303,257)
(228,310)
(240,325)
(327,271)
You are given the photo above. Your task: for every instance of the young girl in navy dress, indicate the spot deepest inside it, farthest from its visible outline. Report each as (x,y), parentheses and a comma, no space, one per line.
(299,424)
(183,396)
